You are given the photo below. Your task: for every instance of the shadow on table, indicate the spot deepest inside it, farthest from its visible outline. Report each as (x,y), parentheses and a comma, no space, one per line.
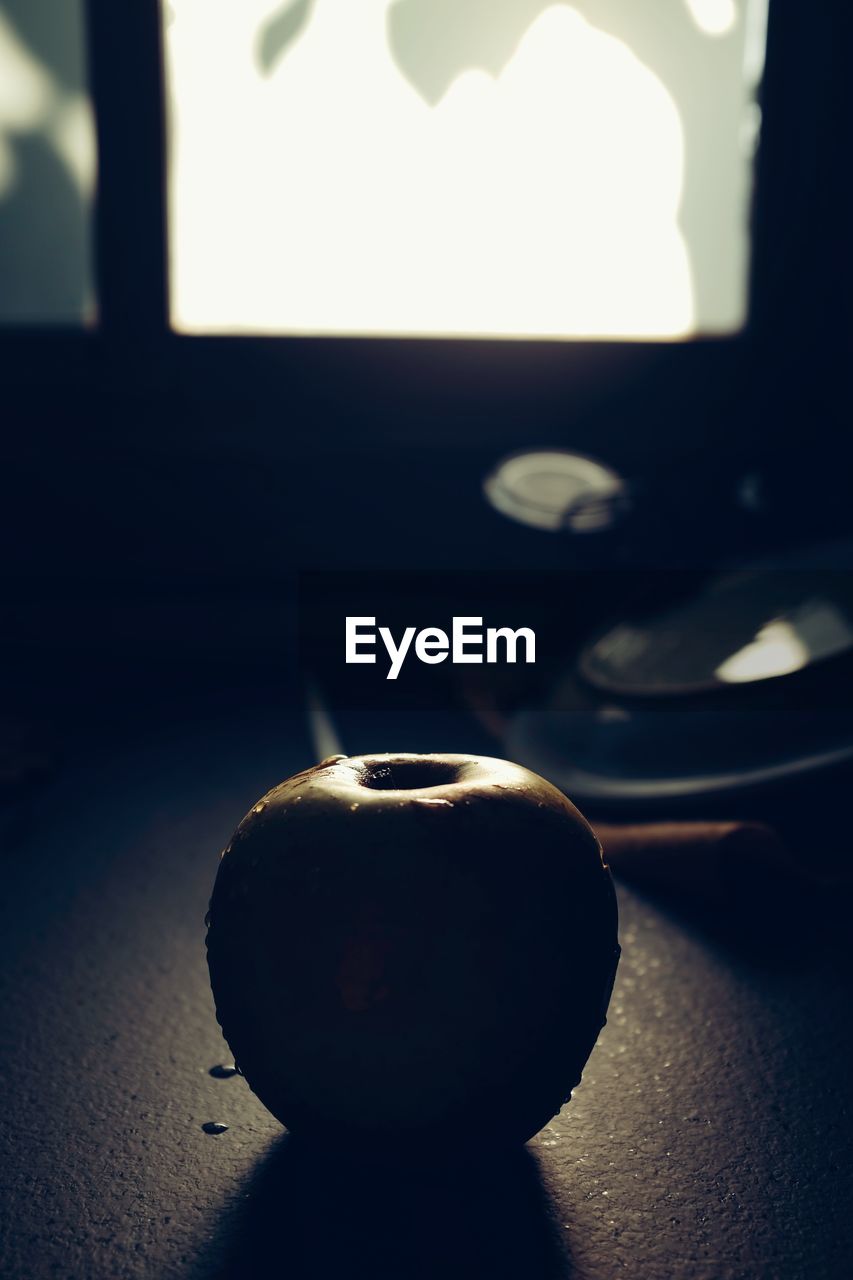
(782,931)
(771,927)
(309,1213)
(779,915)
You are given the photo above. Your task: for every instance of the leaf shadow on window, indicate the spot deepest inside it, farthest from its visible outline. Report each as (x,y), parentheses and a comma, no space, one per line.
(279,31)
(45,247)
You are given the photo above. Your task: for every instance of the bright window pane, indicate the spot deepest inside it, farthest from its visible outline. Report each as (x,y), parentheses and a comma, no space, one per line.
(47,164)
(507,167)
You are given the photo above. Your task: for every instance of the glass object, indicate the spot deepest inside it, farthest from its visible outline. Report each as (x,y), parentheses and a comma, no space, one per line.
(557,490)
(745,628)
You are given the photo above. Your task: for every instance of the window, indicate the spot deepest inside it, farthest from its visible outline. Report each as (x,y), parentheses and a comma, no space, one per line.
(462,167)
(47,165)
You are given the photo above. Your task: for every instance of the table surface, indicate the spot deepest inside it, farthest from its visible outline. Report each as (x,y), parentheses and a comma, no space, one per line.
(710,1137)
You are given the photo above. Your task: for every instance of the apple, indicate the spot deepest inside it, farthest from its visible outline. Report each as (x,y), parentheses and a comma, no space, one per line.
(401,945)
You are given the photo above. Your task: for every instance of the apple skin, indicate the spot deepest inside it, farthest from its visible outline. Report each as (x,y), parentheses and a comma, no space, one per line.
(400,945)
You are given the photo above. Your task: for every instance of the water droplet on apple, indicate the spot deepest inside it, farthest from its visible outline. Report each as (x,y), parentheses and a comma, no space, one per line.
(353,807)
(223,1071)
(260,806)
(214,1127)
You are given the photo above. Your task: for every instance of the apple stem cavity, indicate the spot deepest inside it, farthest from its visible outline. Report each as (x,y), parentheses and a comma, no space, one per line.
(409,775)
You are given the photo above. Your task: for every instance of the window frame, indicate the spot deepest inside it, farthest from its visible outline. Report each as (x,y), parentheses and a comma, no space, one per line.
(492,394)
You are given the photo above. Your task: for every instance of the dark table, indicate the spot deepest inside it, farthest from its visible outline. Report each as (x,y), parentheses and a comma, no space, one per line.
(710,1138)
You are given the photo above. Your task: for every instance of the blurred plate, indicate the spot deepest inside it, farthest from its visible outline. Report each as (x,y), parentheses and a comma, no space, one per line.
(648,757)
(743,629)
